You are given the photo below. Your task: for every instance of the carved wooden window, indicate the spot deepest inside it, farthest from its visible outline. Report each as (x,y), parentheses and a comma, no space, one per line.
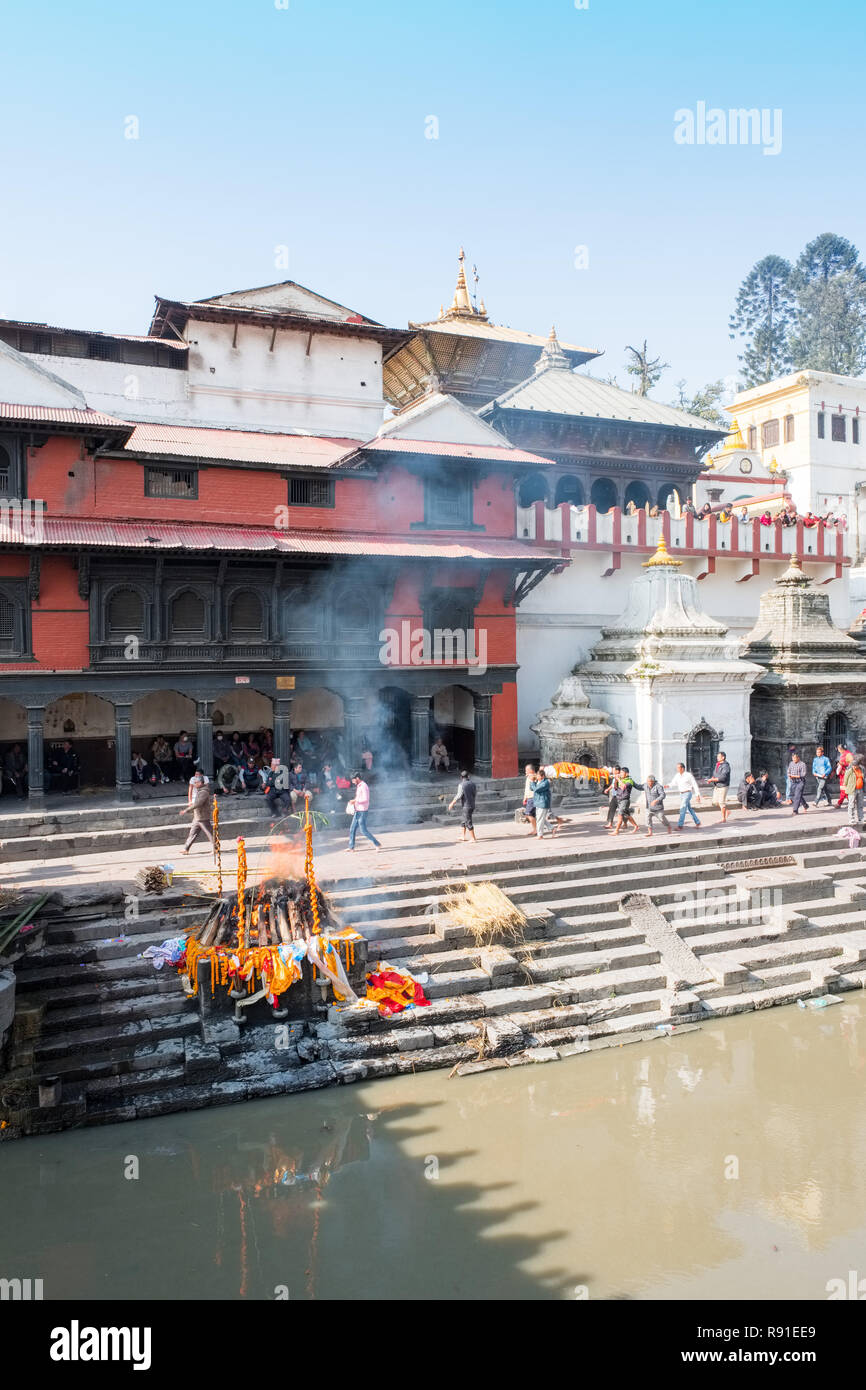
(11,469)
(789,429)
(245,615)
(14,619)
(125,612)
(837,428)
(448,501)
(188,615)
(769,433)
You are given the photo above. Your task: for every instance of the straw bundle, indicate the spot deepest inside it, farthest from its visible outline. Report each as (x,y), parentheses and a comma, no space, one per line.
(486,912)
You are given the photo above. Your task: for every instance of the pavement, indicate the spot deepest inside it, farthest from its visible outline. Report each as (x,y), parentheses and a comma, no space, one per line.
(414,850)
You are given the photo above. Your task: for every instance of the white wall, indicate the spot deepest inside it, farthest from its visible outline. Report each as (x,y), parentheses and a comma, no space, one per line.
(561,620)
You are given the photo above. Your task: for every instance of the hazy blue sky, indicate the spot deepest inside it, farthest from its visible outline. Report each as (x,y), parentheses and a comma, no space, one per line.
(305,127)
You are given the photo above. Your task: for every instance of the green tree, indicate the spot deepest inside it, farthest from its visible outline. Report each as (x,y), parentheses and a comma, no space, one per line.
(830,330)
(763,317)
(647,369)
(704,403)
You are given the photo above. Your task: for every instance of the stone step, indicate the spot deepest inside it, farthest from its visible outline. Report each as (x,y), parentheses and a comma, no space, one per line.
(88,1016)
(78,1041)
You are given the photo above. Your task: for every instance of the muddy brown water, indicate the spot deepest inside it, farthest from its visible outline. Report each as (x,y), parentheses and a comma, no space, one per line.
(724,1163)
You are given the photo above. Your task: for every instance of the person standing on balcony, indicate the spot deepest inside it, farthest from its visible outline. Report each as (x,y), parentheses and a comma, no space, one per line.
(361,804)
(721,780)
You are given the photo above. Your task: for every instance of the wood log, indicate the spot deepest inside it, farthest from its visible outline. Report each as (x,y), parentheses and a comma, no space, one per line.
(224,924)
(283,924)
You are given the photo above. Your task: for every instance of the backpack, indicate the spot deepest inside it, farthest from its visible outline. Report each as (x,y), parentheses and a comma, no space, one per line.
(858,778)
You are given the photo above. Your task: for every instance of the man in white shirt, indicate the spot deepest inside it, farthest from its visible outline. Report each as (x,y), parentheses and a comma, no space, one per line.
(685,784)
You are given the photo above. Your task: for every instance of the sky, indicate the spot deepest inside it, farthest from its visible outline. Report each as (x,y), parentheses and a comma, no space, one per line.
(354,147)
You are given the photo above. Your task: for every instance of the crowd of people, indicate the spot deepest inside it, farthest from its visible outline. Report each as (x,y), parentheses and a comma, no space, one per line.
(787,515)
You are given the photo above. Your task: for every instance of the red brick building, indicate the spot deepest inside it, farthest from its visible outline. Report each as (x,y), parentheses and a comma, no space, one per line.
(200,530)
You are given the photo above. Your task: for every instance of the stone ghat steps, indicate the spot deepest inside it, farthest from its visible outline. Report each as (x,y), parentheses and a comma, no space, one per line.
(691,855)
(93,1040)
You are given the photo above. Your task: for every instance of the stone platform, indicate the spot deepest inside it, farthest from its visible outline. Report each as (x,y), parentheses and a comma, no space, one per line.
(628,937)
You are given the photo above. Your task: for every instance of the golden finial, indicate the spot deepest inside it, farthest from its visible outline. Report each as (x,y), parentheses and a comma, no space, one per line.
(734,440)
(774,464)
(661,557)
(461,303)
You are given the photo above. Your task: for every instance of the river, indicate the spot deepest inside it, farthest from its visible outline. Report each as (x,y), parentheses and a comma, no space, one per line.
(721,1163)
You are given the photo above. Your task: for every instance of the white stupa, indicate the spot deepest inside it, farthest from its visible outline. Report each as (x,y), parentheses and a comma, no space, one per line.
(670,679)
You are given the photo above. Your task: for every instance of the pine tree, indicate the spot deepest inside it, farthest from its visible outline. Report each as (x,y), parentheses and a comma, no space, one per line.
(704,403)
(763,316)
(830,285)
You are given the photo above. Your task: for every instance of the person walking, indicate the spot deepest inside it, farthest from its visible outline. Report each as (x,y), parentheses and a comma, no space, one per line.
(529,797)
(466,794)
(655,805)
(684,783)
(542,796)
(721,780)
(854,788)
(797,782)
(361,803)
(610,792)
(822,769)
(200,801)
(623,802)
(792,752)
(843,759)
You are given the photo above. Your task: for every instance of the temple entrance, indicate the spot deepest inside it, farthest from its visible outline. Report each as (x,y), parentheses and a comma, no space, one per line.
(837,730)
(454,719)
(638,493)
(701,750)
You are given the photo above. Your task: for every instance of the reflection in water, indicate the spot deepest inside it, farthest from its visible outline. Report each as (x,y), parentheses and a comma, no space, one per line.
(720,1163)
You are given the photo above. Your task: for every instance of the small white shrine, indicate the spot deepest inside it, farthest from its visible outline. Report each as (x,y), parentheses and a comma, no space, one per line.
(670,679)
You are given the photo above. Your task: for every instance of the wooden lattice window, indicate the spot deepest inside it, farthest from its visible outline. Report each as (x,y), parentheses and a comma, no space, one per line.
(125,612)
(188,615)
(245,614)
(311,492)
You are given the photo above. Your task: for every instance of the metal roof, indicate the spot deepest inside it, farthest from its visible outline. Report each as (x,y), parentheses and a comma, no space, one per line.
(557,391)
(241,446)
(161,535)
(60,415)
(497,332)
(388,444)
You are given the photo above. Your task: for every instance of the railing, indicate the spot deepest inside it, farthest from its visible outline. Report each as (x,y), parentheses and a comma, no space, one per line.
(587,528)
(134,651)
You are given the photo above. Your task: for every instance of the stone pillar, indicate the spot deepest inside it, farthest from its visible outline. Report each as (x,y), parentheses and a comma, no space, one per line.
(123,752)
(420,711)
(354,728)
(283,729)
(36,754)
(483,734)
(204,735)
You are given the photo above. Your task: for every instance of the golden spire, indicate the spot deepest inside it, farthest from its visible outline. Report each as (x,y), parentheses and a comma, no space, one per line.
(461,303)
(552,355)
(661,557)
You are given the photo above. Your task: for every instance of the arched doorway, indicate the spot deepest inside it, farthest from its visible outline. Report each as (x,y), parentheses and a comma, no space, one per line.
(701,750)
(13,730)
(394,730)
(532,488)
(570,489)
(454,719)
(318,725)
(87,721)
(670,499)
(162,714)
(638,493)
(836,730)
(603,494)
